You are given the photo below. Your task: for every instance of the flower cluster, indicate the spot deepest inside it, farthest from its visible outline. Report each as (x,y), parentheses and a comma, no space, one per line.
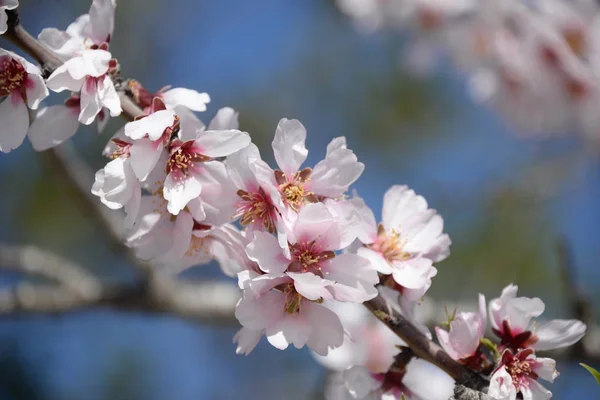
(536,62)
(515,367)
(88,72)
(304,253)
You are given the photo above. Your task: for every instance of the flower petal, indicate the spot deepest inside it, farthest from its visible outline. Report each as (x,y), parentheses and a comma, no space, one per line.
(153,125)
(289,145)
(52,126)
(264,249)
(179,192)
(15,122)
(222,143)
(559,333)
(226,118)
(189,98)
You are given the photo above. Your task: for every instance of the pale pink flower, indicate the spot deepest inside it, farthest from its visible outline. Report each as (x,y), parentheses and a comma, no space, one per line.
(191,164)
(148,136)
(89,31)
(309,257)
(522,371)
(88,66)
(259,203)
(22,84)
(330,178)
(118,187)
(512,321)
(6,5)
(407,242)
(462,341)
(88,73)
(271,305)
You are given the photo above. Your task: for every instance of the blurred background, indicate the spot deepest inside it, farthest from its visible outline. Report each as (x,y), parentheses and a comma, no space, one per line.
(506,201)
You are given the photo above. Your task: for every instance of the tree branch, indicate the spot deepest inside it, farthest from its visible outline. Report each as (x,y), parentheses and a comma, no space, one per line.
(422,346)
(77,290)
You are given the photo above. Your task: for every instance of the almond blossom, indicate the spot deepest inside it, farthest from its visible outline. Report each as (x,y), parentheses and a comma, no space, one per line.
(175,98)
(23,87)
(88,66)
(330,178)
(462,341)
(407,242)
(55,124)
(6,5)
(512,321)
(522,371)
(260,205)
(282,295)
(89,73)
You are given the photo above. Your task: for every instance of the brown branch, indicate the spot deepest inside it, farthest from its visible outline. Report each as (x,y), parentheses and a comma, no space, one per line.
(422,346)
(77,290)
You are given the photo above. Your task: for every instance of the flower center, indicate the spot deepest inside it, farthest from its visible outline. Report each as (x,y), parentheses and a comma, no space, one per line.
(390,245)
(307,257)
(12,75)
(256,207)
(293,299)
(292,188)
(183,158)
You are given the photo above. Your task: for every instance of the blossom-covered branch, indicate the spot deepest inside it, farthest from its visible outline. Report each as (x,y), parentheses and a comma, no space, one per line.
(305,251)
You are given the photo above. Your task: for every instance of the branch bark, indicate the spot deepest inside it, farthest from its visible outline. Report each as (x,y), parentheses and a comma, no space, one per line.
(422,346)
(77,290)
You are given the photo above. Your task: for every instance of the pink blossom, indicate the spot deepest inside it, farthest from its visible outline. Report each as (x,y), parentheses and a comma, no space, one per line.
(522,371)
(309,257)
(330,178)
(259,203)
(88,66)
(407,242)
(512,321)
(89,73)
(22,84)
(461,342)
(272,305)
(6,5)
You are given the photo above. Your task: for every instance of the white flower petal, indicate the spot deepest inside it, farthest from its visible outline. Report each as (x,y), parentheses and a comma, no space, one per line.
(52,126)
(189,98)
(222,143)
(152,125)
(226,118)
(14,115)
(179,192)
(289,145)
(559,333)
(264,249)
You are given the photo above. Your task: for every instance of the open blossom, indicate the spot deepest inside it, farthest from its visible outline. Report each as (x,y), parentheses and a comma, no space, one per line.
(88,65)
(259,204)
(330,178)
(22,84)
(407,242)
(191,163)
(462,340)
(519,373)
(512,321)
(89,73)
(282,295)
(6,5)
